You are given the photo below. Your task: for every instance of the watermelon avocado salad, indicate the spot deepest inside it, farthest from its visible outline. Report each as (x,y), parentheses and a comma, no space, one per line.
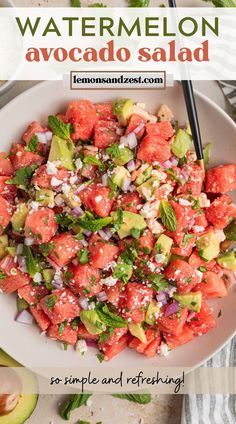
(110,233)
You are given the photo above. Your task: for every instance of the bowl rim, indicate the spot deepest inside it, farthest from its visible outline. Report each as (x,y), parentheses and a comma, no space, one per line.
(199,95)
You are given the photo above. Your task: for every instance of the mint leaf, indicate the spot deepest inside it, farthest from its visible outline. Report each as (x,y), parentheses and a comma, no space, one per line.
(92,160)
(100,357)
(74,402)
(46,248)
(168,216)
(187,237)
(59,128)
(138,3)
(23,175)
(83,256)
(51,300)
(142,399)
(94,224)
(172,175)
(31,263)
(61,328)
(135,233)
(2,275)
(109,318)
(75,3)
(158,281)
(32,146)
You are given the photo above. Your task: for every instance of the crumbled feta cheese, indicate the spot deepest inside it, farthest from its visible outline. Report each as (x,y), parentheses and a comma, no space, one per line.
(98,198)
(198,228)
(66,188)
(51,168)
(89,402)
(155,226)
(151,266)
(143,113)
(78,164)
(34,205)
(109,266)
(184,202)
(159,258)
(91,306)
(159,174)
(81,347)
(165,113)
(163,349)
(73,179)
(37,277)
(55,182)
(170,290)
(199,273)
(220,235)
(109,281)
(150,210)
(204,201)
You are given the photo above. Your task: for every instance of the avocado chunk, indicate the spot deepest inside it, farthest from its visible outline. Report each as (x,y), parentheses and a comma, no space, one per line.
(92,322)
(228,260)
(230,231)
(11,250)
(153,309)
(123,110)
(27,402)
(162,248)
(21,304)
(181,143)
(208,246)
(148,188)
(130,221)
(3,245)
(63,151)
(192,300)
(120,175)
(19,217)
(48,275)
(144,176)
(137,331)
(122,270)
(125,155)
(45,197)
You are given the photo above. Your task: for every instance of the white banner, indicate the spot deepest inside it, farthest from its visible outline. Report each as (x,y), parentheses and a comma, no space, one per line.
(47,43)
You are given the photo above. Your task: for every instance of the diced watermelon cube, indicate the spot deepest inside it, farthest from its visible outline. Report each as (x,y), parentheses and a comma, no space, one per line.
(203,321)
(33,128)
(41,225)
(12,278)
(184,337)
(6,167)
(101,253)
(221,211)
(20,158)
(82,114)
(85,280)
(112,350)
(194,183)
(8,191)
(66,334)
(65,248)
(221,179)
(84,334)
(40,317)
(60,305)
(172,324)
(96,198)
(182,274)
(161,129)
(135,302)
(32,294)
(211,286)
(135,122)
(43,180)
(5,213)
(153,149)
(105,111)
(105,133)
(129,202)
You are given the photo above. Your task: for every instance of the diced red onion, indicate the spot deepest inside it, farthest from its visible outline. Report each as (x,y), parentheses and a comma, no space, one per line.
(59,200)
(42,138)
(138,128)
(21,263)
(172,308)
(24,317)
(131,166)
(105,180)
(162,297)
(191,315)
(84,243)
(174,161)
(83,301)
(57,283)
(132,188)
(102,296)
(80,188)
(6,263)
(57,268)
(132,140)
(105,234)
(29,241)
(75,262)
(184,176)
(119,131)
(87,233)
(78,211)
(91,343)
(167,164)
(126,184)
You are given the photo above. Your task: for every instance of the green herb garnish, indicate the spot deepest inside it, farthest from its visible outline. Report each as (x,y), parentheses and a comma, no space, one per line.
(32,146)
(23,175)
(51,300)
(59,128)
(168,216)
(142,399)
(74,402)
(83,256)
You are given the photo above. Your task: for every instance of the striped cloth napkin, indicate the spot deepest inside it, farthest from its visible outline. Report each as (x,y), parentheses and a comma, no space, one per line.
(215,409)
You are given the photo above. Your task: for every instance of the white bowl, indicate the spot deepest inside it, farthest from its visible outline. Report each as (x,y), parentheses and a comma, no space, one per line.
(24,342)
